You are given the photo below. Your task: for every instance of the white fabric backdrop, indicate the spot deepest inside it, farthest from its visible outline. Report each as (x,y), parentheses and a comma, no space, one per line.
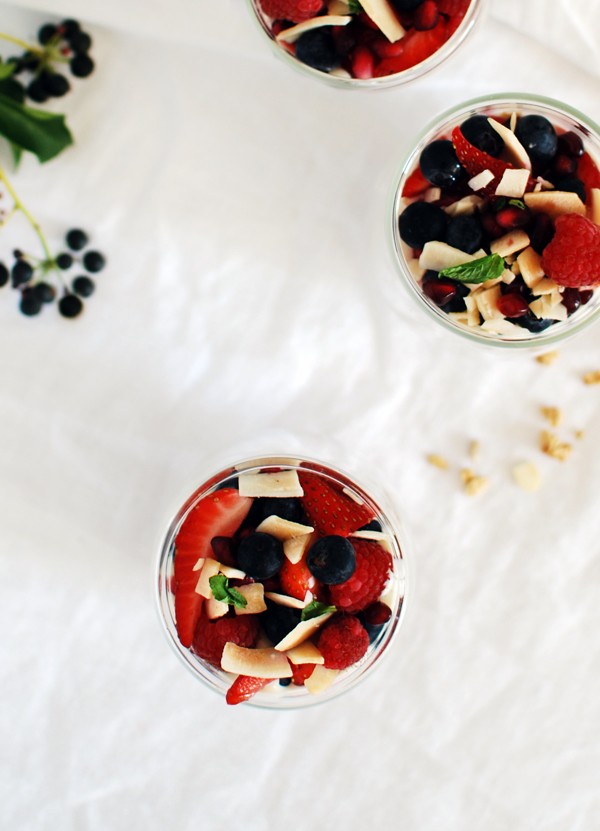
(250,298)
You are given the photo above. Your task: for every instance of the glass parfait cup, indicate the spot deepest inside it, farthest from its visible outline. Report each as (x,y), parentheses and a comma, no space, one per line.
(286,695)
(565,119)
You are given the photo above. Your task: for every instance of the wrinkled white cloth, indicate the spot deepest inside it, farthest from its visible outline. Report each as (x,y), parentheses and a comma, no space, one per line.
(251,302)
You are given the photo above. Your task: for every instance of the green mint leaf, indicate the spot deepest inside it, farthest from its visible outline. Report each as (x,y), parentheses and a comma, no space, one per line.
(314,609)
(476,271)
(219,586)
(41,133)
(518,203)
(354,7)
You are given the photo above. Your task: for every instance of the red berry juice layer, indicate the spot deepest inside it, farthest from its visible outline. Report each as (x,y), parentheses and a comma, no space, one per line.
(499,222)
(284,577)
(372,39)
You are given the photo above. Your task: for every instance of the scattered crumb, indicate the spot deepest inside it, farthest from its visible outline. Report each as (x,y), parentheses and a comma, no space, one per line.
(547,358)
(474,448)
(438,461)
(592,377)
(527,476)
(473,483)
(579,434)
(553,446)
(552,414)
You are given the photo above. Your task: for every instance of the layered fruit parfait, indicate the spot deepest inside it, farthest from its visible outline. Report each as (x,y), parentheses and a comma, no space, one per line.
(376,42)
(281,582)
(496,220)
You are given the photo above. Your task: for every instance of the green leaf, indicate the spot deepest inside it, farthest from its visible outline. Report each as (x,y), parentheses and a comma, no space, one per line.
(44,134)
(518,203)
(12,89)
(354,7)
(219,586)
(476,271)
(6,70)
(314,609)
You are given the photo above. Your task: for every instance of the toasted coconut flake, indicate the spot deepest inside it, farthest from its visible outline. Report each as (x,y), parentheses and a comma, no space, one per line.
(552,414)
(294,32)
(547,358)
(254,593)
(473,483)
(438,461)
(527,476)
(259,663)
(474,449)
(579,434)
(552,446)
(592,377)
(320,679)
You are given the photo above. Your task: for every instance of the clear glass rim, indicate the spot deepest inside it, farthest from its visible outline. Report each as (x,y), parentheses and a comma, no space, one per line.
(218,681)
(445,51)
(534,340)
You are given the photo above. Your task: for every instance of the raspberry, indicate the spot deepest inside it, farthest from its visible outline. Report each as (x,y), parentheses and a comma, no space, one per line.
(210,637)
(572,258)
(294,10)
(373,564)
(343,642)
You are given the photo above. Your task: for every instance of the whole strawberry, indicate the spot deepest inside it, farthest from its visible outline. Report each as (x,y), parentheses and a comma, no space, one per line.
(294,10)
(572,258)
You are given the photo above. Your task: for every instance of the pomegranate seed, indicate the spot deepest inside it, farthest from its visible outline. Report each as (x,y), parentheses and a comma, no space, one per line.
(512,217)
(440,291)
(571,300)
(362,63)
(426,16)
(585,295)
(571,144)
(541,233)
(564,165)
(491,227)
(512,305)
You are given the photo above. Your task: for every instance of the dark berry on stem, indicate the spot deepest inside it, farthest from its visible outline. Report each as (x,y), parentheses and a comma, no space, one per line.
(30,304)
(70,305)
(83,286)
(317,48)
(64,261)
(21,272)
(479,132)
(36,91)
(260,555)
(54,84)
(332,560)
(439,164)
(3,274)
(538,137)
(76,239)
(29,61)
(70,27)
(465,233)
(44,292)
(46,33)
(80,42)
(81,65)
(94,261)
(421,222)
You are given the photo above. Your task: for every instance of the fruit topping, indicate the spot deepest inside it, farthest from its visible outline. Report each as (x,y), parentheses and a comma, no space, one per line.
(332,560)
(330,511)
(538,137)
(422,222)
(440,165)
(210,637)
(294,10)
(479,132)
(260,555)
(297,579)
(342,642)
(244,687)
(365,586)
(573,256)
(262,662)
(475,161)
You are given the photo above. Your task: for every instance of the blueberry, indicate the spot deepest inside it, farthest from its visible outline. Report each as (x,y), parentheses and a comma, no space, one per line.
(44,292)
(83,286)
(21,272)
(260,555)
(332,560)
(54,84)
(70,305)
(76,239)
(532,323)
(285,682)
(422,222)
(287,508)
(30,304)
(572,184)
(3,274)
(538,137)
(94,261)
(457,304)
(64,261)
(46,33)
(317,48)
(465,233)
(478,131)
(81,65)
(278,621)
(374,525)
(439,164)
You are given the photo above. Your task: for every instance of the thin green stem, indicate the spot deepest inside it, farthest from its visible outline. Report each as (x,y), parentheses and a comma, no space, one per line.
(19,206)
(22,43)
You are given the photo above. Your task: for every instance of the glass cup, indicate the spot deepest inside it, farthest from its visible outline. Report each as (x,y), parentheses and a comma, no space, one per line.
(275,695)
(341,77)
(565,119)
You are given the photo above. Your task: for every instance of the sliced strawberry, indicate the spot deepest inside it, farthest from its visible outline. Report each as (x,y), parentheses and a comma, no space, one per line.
(588,172)
(415,184)
(454,7)
(476,161)
(300,672)
(219,514)
(296,579)
(330,511)
(244,687)
(418,46)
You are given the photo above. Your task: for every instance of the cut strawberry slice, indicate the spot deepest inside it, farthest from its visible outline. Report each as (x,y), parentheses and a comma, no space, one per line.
(454,7)
(418,46)
(415,184)
(329,510)
(476,161)
(588,172)
(296,579)
(219,514)
(300,672)
(244,687)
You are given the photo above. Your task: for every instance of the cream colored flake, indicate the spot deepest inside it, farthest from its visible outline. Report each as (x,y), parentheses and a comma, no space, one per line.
(432,194)
(579,434)
(510,243)
(293,33)
(552,446)
(305,653)
(473,483)
(438,461)
(547,358)
(554,203)
(595,205)
(512,146)
(530,266)
(482,180)
(506,328)
(280,484)
(513,183)
(487,303)
(552,414)
(546,286)
(254,594)
(508,275)
(527,476)
(283,529)
(320,679)
(437,255)
(465,206)
(382,13)
(592,377)
(474,449)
